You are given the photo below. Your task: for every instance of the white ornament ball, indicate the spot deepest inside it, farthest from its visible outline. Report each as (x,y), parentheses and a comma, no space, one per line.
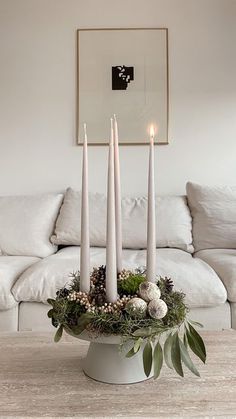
(149,291)
(157,309)
(136,307)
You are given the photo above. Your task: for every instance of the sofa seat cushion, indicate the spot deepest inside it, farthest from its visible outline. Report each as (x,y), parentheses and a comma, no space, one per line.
(195,278)
(174,223)
(27,223)
(223,261)
(11,267)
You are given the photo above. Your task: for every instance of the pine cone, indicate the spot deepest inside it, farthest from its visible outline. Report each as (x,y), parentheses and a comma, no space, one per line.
(98,290)
(99,276)
(168,284)
(100,299)
(64,292)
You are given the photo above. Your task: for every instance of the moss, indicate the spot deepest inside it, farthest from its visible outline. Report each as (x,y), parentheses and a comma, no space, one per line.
(130,285)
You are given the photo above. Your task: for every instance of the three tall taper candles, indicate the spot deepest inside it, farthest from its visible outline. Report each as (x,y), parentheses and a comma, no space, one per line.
(84,250)
(114,234)
(111,267)
(151,218)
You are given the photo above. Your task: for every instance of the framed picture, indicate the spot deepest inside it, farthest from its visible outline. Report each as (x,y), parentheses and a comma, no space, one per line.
(123,72)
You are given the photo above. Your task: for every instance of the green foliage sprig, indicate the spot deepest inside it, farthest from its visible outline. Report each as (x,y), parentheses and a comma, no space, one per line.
(174,350)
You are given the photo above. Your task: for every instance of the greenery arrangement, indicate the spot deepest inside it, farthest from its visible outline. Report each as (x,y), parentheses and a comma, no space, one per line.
(149,315)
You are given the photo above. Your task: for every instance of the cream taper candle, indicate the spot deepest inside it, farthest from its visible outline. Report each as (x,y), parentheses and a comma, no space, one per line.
(117,199)
(151,219)
(84,249)
(111,269)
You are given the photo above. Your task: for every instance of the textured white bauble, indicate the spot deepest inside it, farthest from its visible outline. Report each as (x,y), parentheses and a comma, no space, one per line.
(149,291)
(157,309)
(136,307)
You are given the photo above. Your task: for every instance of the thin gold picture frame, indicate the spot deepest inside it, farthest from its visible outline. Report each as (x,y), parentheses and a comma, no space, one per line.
(104,143)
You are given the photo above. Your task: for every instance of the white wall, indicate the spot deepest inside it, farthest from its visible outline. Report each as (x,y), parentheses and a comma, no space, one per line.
(37,93)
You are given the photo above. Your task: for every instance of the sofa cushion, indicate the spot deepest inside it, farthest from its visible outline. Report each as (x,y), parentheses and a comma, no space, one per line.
(173,222)
(11,267)
(214,216)
(201,284)
(26,224)
(223,261)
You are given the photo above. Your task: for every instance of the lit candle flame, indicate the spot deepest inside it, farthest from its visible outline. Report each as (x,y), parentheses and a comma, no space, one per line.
(152,131)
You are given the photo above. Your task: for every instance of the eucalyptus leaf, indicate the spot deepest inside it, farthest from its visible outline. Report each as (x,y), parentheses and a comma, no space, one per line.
(147,358)
(186,359)
(50,313)
(137,345)
(195,323)
(198,338)
(55,322)
(197,343)
(143,332)
(51,301)
(175,355)
(195,347)
(130,353)
(185,341)
(58,334)
(77,330)
(82,323)
(158,360)
(167,351)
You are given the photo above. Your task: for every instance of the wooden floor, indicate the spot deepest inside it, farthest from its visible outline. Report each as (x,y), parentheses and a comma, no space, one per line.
(39,378)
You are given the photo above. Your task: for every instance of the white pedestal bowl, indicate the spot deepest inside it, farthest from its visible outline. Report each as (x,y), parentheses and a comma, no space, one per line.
(106,362)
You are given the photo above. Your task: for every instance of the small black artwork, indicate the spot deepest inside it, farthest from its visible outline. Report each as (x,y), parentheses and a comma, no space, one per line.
(121,77)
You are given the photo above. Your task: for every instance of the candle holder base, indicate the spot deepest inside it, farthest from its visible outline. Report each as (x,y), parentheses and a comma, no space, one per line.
(106,361)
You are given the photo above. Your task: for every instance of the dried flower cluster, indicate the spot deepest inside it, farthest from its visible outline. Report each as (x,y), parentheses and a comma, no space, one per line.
(89,303)
(124,274)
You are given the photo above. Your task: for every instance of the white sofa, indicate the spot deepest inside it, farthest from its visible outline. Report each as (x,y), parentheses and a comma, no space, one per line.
(40,239)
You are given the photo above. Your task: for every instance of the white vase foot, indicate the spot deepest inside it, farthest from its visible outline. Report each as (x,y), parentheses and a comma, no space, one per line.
(106,362)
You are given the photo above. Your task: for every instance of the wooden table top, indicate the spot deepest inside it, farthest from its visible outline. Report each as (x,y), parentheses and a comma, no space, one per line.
(39,378)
